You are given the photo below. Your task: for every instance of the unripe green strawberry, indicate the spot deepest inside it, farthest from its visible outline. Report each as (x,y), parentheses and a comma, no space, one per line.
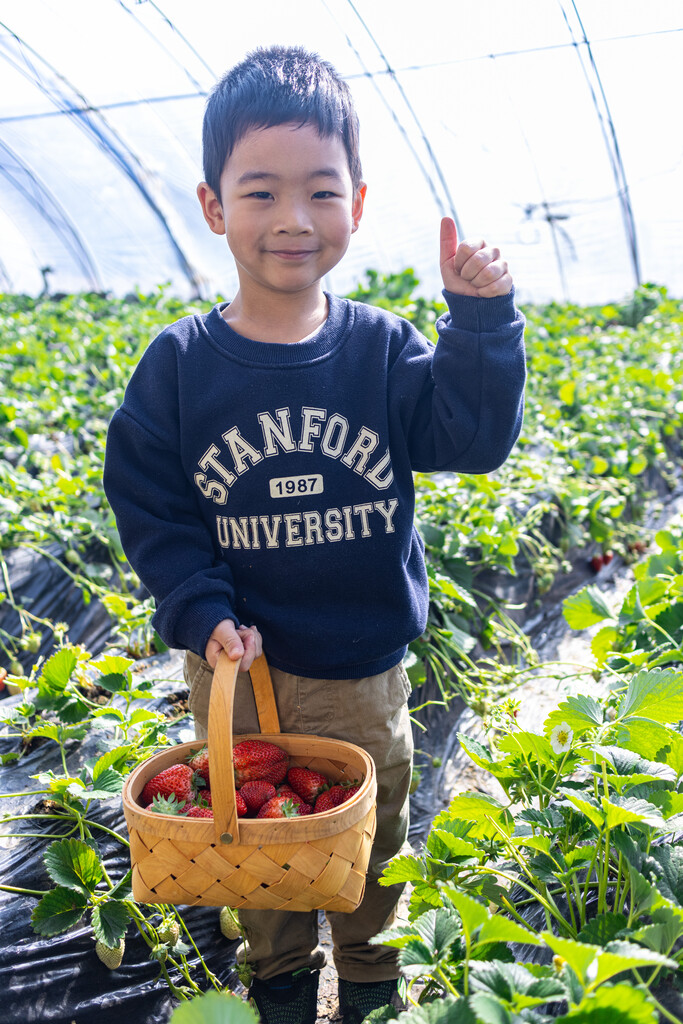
(169,932)
(111,956)
(230,926)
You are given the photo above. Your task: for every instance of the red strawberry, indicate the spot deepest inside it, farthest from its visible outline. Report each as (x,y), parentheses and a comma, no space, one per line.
(348,792)
(177,779)
(327,801)
(242,808)
(199,812)
(280,807)
(256,759)
(199,763)
(597,562)
(287,791)
(257,793)
(607,557)
(307,783)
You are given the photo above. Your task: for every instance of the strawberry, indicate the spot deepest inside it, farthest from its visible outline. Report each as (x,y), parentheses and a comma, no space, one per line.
(597,562)
(111,956)
(285,790)
(256,759)
(169,932)
(175,780)
(348,792)
(199,762)
(257,793)
(230,926)
(327,801)
(280,807)
(607,557)
(307,783)
(242,809)
(199,812)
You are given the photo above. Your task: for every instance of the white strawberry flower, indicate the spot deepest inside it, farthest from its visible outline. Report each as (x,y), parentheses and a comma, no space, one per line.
(561,738)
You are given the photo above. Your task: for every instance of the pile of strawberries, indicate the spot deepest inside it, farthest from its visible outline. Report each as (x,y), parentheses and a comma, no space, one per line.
(266,786)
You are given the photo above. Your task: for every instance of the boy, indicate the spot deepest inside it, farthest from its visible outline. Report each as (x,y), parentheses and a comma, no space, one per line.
(260,469)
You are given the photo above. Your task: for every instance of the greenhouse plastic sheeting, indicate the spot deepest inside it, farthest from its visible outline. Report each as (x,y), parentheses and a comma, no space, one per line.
(548,128)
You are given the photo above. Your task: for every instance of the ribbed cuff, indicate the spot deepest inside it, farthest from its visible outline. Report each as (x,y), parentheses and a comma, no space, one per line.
(480,316)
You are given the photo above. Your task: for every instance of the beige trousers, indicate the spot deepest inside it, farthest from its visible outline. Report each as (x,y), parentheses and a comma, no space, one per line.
(373,713)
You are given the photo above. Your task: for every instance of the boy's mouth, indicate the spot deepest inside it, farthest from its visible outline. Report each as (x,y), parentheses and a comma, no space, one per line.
(292,254)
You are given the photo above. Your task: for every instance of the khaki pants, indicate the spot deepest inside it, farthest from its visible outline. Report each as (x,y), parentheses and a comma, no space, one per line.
(372,713)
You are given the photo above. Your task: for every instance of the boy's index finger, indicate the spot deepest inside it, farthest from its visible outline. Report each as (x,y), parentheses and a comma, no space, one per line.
(448,240)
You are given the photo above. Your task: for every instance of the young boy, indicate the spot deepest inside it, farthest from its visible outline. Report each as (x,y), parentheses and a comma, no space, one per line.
(260,469)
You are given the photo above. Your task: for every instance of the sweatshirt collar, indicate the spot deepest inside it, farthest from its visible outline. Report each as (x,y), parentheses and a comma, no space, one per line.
(329,336)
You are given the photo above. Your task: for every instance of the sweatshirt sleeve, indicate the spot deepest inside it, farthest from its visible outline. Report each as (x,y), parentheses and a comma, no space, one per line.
(162,532)
(469,411)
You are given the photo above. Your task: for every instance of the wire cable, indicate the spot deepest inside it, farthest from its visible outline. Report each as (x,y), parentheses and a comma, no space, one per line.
(38,195)
(609,134)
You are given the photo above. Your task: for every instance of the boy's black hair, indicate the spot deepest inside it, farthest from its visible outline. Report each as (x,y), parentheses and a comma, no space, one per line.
(277,85)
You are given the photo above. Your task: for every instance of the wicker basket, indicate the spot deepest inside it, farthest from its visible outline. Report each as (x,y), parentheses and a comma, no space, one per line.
(308,863)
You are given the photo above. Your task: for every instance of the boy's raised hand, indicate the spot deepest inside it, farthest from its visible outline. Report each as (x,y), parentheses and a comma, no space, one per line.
(237,641)
(471,268)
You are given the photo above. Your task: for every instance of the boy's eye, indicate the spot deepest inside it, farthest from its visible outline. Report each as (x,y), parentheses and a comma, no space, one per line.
(259,195)
(324,194)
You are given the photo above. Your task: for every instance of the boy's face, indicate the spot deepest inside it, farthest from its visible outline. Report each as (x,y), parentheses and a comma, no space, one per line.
(287,207)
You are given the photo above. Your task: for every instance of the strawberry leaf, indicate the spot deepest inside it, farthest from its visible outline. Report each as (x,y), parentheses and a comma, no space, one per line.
(72,863)
(58,910)
(109,921)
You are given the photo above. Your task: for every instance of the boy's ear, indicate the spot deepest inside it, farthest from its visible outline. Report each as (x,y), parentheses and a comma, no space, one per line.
(357,208)
(211,208)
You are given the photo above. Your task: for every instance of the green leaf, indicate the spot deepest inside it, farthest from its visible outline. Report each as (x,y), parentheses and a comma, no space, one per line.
(489,1009)
(580,713)
(457,847)
(478,808)
(57,671)
(214,1008)
(116,758)
(593,813)
(656,695)
(654,741)
(403,869)
(600,930)
(585,608)
(613,1004)
(447,1010)
(622,810)
(114,682)
(58,910)
(517,984)
(530,744)
(625,956)
(603,643)
(109,783)
(71,862)
(123,888)
(110,920)
(502,929)
(473,914)
(578,955)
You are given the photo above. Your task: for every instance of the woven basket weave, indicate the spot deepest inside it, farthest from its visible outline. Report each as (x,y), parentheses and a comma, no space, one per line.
(308,863)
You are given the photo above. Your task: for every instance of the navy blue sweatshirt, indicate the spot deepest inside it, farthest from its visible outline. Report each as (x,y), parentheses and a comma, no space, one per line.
(272,483)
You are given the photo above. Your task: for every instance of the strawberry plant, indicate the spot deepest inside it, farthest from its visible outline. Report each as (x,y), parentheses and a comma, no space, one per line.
(579,868)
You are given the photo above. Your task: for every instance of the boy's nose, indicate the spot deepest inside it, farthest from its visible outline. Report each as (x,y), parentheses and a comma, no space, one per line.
(292,219)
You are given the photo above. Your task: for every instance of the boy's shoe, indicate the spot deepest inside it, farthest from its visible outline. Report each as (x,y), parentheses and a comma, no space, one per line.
(289,998)
(358,998)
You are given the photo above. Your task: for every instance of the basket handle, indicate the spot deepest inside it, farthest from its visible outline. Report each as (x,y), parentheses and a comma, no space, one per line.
(221,703)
